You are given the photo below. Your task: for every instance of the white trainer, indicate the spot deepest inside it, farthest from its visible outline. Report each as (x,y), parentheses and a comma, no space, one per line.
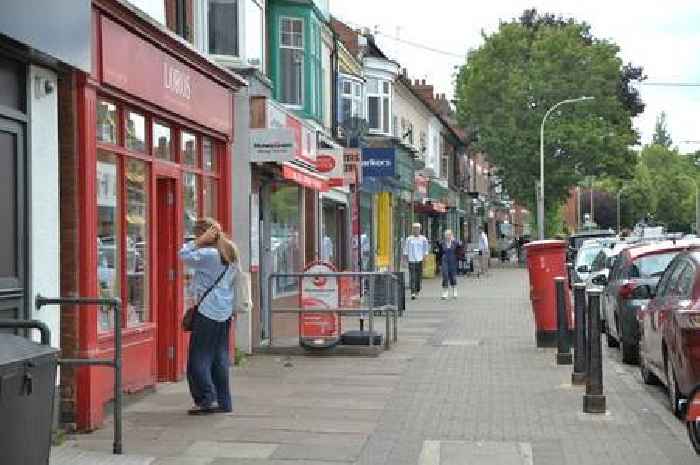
(444,294)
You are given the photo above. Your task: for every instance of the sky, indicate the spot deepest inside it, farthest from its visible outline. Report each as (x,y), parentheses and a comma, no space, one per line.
(661,36)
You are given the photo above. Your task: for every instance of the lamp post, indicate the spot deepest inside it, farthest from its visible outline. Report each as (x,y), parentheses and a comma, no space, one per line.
(540,200)
(619,194)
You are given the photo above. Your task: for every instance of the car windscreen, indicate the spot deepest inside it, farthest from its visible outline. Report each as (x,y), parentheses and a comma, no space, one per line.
(587,255)
(651,266)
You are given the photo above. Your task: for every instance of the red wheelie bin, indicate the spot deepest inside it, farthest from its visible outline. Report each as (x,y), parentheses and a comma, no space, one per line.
(546,260)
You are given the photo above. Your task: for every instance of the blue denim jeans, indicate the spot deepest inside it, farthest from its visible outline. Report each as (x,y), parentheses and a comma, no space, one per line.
(208,362)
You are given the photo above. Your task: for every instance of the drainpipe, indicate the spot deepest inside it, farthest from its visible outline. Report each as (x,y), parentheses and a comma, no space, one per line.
(335,79)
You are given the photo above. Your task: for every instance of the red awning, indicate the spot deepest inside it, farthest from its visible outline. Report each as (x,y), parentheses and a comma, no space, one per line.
(305,178)
(430,208)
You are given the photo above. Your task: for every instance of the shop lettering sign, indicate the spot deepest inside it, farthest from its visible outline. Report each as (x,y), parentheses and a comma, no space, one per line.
(177,81)
(325,163)
(378,162)
(272,145)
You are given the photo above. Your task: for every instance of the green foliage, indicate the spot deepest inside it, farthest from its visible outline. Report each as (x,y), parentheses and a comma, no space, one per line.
(509,83)
(661,135)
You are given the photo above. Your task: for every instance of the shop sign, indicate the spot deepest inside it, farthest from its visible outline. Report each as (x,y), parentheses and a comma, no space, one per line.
(378,162)
(319,292)
(272,145)
(351,160)
(134,65)
(106,185)
(421,185)
(304,179)
(330,162)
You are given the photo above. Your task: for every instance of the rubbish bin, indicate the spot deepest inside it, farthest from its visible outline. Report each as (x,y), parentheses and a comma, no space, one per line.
(546,260)
(27,383)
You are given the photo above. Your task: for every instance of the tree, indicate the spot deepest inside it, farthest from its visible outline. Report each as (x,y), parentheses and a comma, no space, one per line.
(506,86)
(661,135)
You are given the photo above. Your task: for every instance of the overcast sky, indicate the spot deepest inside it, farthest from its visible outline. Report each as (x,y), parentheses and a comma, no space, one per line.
(662,36)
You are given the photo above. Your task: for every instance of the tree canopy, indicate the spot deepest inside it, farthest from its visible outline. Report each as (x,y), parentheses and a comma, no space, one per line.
(507,85)
(661,135)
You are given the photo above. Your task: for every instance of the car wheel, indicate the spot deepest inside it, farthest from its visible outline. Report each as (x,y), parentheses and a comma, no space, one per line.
(694,435)
(674,395)
(630,353)
(647,376)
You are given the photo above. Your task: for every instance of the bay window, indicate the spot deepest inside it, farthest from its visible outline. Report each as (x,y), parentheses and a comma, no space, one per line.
(350,100)
(379,105)
(292,61)
(223,27)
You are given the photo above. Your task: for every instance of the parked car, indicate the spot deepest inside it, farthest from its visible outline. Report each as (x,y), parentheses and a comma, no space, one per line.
(577,239)
(586,255)
(600,271)
(635,270)
(670,330)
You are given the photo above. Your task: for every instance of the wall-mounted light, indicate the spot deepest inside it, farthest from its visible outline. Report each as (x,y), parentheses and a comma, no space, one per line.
(43,86)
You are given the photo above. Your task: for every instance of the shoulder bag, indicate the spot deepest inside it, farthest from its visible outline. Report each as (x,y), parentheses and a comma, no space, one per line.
(189,314)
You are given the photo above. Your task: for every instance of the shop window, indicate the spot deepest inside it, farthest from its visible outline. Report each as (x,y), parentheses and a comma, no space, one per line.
(135,132)
(161,141)
(137,268)
(208,155)
(106,122)
(190,199)
(291,52)
(209,197)
(351,100)
(223,27)
(285,236)
(188,149)
(108,246)
(379,105)
(13,88)
(8,205)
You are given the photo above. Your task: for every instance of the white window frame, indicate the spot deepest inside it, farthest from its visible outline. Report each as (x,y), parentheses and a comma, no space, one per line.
(303,52)
(355,96)
(381,95)
(201,34)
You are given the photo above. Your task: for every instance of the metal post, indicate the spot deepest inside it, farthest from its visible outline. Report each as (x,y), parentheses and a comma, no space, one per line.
(117,446)
(370,305)
(268,305)
(594,399)
(579,375)
(387,329)
(563,346)
(619,194)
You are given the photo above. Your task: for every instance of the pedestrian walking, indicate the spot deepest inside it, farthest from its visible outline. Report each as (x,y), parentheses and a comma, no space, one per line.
(415,250)
(214,260)
(448,265)
(484,251)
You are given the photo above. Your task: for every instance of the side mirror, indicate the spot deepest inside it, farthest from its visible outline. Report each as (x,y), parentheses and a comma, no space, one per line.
(643,292)
(583,269)
(600,280)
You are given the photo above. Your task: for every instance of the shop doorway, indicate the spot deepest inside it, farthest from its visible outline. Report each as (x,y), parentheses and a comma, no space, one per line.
(166,277)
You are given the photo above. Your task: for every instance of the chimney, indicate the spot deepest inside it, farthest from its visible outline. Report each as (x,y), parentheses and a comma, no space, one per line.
(422,82)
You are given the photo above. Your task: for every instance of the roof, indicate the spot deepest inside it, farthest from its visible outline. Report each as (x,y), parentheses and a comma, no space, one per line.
(661,247)
(347,35)
(594,233)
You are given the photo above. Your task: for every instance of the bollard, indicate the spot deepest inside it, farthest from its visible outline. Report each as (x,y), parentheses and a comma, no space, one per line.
(578,377)
(563,343)
(594,399)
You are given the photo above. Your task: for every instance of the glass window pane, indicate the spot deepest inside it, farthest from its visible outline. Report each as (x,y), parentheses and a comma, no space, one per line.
(190,197)
(12,84)
(107,234)
(8,205)
(373,112)
(223,27)
(135,132)
(386,87)
(137,268)
(209,197)
(161,141)
(347,87)
(285,240)
(208,155)
(372,86)
(358,90)
(254,33)
(285,25)
(346,108)
(189,149)
(386,113)
(106,122)
(292,64)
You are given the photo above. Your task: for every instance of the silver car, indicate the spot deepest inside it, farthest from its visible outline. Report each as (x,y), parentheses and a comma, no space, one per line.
(600,271)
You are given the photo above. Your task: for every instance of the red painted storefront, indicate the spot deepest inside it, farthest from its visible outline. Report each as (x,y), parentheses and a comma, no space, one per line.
(154,127)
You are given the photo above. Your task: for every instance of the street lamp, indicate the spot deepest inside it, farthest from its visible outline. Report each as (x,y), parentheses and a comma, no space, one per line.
(540,200)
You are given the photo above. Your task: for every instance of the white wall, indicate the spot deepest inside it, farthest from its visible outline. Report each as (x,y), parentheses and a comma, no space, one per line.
(432,158)
(44,232)
(154,8)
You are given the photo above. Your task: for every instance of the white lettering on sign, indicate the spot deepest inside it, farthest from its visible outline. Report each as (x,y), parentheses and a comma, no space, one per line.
(177,81)
(377,163)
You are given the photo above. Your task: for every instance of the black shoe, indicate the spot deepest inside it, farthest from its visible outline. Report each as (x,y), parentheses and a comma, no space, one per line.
(201,410)
(222,410)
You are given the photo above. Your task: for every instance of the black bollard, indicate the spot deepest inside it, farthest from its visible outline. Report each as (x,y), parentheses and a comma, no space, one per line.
(563,338)
(578,377)
(594,399)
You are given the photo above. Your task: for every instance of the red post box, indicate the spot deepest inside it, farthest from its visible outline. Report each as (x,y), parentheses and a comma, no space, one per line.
(546,260)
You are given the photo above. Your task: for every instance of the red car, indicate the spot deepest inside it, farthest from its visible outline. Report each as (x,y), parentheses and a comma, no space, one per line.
(670,330)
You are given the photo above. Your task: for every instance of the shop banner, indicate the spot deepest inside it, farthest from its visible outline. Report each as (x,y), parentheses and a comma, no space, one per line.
(272,145)
(378,162)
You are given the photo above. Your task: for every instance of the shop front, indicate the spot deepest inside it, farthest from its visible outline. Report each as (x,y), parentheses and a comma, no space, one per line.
(154,131)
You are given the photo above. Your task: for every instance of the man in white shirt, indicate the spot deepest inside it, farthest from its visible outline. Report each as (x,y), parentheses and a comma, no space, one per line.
(484,250)
(415,250)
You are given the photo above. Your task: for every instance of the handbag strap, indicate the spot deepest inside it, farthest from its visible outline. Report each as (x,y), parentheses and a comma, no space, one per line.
(206,293)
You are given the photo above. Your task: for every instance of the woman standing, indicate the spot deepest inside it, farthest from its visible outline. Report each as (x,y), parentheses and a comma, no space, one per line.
(214,260)
(448,264)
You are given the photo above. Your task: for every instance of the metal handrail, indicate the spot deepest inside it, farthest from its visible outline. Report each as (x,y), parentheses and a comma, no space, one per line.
(115,363)
(371,310)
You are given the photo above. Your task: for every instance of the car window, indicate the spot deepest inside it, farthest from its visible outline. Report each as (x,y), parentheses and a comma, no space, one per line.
(664,286)
(685,280)
(599,261)
(671,288)
(586,256)
(649,266)
(617,267)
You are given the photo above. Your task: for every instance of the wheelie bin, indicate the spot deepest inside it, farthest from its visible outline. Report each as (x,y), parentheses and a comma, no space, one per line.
(546,260)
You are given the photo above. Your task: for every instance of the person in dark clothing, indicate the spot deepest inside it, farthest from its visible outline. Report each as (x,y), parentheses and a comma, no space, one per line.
(448,264)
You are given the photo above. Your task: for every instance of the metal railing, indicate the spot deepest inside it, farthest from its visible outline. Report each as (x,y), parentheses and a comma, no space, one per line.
(115,363)
(370,309)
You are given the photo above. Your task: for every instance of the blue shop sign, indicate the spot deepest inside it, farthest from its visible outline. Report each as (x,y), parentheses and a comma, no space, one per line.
(378,162)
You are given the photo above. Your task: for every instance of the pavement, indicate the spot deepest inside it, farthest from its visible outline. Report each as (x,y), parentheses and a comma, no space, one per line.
(464,385)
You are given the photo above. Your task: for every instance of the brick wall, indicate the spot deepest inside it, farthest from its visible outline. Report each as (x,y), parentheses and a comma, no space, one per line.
(70,258)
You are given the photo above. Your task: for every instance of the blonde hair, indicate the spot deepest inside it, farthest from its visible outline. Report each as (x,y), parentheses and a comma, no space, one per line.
(227,249)
(448,232)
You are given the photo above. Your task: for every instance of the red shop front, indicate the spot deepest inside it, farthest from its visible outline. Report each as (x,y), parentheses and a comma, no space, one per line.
(154,132)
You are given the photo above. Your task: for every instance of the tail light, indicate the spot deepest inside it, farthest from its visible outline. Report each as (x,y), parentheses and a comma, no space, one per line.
(626,290)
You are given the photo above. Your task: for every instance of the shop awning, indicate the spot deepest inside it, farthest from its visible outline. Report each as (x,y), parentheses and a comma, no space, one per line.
(430,208)
(305,177)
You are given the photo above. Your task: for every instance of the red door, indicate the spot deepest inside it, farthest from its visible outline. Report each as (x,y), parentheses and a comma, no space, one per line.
(166,277)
